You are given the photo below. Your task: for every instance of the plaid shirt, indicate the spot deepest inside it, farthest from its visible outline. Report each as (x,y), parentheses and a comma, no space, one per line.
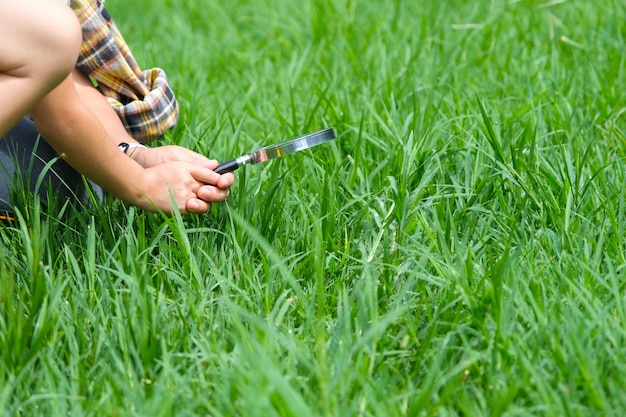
(143,100)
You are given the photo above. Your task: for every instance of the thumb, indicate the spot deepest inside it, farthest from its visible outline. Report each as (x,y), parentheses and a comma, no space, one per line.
(204,175)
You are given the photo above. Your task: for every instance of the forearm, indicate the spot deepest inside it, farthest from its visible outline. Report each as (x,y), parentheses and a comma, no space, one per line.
(100,107)
(82,140)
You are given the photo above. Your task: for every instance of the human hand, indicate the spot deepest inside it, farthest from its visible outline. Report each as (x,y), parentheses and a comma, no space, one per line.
(149,157)
(193,188)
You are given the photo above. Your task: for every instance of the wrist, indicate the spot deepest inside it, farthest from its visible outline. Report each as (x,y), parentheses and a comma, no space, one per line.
(134,151)
(129,148)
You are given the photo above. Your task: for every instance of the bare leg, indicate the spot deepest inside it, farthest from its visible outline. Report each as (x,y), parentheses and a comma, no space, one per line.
(39,46)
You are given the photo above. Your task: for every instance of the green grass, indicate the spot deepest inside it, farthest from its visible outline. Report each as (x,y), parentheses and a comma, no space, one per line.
(459,249)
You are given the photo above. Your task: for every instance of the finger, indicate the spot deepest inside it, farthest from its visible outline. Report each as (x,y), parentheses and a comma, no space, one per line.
(226,180)
(213,194)
(222,181)
(198,159)
(204,175)
(205,162)
(197,206)
(178,153)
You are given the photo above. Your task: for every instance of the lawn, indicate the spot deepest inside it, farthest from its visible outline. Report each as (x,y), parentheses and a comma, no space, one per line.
(457,250)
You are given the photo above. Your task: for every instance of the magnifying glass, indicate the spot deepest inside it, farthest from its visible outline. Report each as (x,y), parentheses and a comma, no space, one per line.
(276,151)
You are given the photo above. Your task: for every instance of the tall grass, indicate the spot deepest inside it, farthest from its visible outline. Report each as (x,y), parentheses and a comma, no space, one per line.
(457,251)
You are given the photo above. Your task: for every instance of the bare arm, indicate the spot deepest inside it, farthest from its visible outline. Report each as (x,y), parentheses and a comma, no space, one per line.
(77,134)
(147,158)
(100,107)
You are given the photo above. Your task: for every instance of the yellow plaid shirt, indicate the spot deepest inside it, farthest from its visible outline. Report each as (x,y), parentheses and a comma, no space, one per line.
(143,100)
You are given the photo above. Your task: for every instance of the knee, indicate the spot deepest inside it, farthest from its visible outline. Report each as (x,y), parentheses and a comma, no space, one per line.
(63,41)
(38,37)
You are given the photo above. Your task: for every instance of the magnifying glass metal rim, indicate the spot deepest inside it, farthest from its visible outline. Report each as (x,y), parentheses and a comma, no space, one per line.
(278,150)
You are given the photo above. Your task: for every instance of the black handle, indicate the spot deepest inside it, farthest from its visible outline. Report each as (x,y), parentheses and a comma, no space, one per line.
(227,166)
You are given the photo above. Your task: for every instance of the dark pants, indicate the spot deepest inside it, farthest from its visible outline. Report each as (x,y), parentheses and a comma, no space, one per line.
(29,166)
